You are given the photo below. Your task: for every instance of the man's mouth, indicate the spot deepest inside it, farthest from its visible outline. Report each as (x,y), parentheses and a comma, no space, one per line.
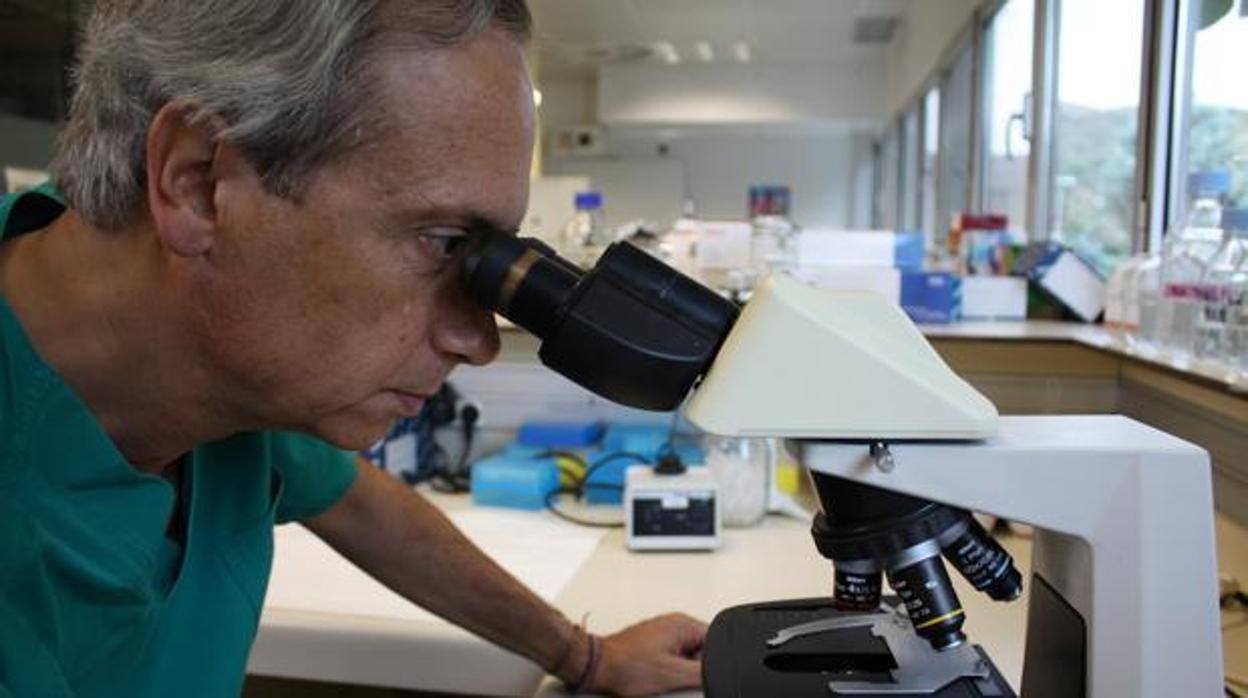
(410,404)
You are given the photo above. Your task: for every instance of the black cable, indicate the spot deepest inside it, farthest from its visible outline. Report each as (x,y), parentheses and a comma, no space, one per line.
(579,486)
(456,480)
(554,494)
(1233,600)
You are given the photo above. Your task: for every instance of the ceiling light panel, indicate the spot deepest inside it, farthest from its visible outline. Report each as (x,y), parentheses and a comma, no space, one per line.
(705,53)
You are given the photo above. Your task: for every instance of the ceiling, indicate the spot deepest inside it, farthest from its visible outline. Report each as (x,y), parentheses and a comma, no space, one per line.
(574,37)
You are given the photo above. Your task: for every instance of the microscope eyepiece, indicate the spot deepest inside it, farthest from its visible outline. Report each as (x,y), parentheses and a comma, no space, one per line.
(520,278)
(631,329)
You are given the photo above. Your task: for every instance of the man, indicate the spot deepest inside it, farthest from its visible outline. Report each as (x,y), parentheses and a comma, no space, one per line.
(263,204)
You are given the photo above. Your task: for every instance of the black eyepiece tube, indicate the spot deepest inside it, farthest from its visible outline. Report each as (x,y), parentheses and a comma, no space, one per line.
(631,329)
(520,278)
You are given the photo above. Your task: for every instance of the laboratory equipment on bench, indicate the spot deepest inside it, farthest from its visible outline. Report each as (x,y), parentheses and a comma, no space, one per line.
(671,507)
(1123,590)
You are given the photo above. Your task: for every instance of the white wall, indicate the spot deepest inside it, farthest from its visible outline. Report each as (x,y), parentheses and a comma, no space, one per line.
(719,166)
(568,103)
(927,29)
(633,187)
(734,94)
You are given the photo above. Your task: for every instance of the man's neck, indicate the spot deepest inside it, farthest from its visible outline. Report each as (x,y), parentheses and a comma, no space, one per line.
(98,308)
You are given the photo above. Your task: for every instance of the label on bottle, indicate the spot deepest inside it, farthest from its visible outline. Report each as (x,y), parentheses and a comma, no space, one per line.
(1190,291)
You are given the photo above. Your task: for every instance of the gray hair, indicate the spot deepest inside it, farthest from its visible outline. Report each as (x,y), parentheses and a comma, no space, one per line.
(284,80)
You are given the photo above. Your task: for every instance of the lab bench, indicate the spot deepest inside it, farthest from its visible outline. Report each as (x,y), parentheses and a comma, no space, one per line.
(343,651)
(1025,368)
(354,652)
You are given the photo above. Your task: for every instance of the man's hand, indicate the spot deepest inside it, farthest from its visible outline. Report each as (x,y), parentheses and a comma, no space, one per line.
(655,656)
(403,541)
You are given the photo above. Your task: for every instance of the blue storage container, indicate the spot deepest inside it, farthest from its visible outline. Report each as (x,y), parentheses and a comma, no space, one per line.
(559,434)
(516,481)
(931,297)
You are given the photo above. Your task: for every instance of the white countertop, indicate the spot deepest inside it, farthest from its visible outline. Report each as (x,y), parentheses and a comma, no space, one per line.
(1094,336)
(612,587)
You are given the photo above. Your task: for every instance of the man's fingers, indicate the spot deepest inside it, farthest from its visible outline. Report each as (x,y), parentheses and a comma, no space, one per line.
(687,672)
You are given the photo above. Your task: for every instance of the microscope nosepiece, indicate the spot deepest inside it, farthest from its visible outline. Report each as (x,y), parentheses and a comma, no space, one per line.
(864,530)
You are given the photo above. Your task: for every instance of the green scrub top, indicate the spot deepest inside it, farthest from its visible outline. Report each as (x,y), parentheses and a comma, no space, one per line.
(95,600)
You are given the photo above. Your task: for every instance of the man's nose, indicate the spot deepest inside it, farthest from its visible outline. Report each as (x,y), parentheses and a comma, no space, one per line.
(464,330)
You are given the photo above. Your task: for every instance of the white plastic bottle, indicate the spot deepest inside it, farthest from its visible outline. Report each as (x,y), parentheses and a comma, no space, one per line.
(1188,253)
(1145,302)
(584,237)
(1219,303)
(1235,333)
(1119,298)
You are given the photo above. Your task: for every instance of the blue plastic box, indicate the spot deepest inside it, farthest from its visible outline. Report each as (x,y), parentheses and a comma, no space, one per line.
(559,434)
(931,297)
(514,480)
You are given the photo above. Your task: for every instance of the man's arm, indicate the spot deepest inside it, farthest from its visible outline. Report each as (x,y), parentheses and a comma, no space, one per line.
(402,540)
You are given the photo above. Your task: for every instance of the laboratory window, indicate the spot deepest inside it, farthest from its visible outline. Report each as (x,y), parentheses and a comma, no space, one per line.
(1096,122)
(930,162)
(956,108)
(909,198)
(886,191)
(1008,40)
(1214,105)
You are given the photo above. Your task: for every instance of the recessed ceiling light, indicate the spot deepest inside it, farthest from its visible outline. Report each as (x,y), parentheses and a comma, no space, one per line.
(742,51)
(705,52)
(537,97)
(667,52)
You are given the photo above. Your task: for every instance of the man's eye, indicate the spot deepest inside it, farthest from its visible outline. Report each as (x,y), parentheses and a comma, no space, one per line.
(441,243)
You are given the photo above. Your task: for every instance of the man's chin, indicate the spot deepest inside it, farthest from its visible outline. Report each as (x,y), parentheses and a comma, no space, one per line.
(353,436)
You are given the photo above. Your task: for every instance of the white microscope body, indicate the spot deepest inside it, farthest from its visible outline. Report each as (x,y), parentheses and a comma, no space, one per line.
(1124,583)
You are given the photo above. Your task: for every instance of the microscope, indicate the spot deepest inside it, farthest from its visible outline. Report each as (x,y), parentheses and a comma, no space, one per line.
(1122,598)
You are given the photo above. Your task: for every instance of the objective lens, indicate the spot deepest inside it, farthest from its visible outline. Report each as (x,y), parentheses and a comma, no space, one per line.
(858,592)
(934,609)
(984,563)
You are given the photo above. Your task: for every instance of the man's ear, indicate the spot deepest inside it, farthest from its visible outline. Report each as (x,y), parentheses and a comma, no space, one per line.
(181,181)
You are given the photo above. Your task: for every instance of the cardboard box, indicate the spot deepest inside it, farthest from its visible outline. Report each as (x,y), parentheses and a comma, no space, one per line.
(1064,276)
(874,248)
(885,281)
(994,298)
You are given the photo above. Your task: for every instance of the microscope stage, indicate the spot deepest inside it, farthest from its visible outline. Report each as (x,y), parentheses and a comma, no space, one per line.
(739,662)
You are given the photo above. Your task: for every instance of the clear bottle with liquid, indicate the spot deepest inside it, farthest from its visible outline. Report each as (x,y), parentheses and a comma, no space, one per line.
(1233,287)
(1189,250)
(1221,294)
(1144,301)
(1119,318)
(586,235)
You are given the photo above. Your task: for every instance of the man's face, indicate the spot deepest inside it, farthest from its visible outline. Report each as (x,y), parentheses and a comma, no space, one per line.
(338,314)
